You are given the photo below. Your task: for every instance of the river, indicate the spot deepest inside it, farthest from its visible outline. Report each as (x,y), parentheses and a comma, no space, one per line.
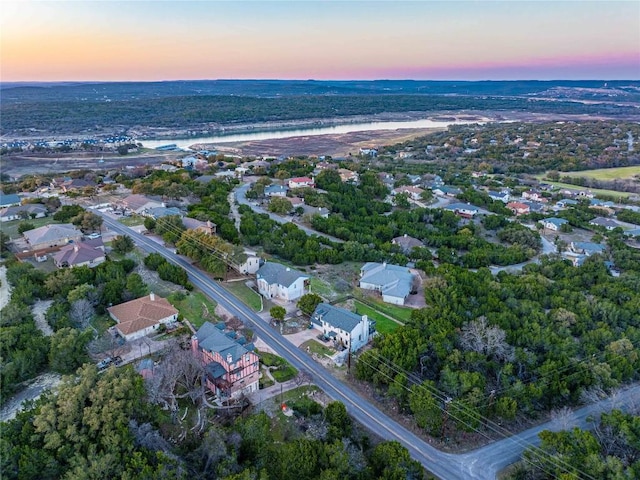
(300,132)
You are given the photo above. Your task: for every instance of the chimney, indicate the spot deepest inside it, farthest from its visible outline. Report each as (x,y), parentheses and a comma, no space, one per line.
(405,235)
(152,297)
(75,248)
(229,358)
(288,269)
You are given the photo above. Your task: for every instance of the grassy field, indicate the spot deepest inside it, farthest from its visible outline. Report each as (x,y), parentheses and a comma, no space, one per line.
(245,294)
(132,221)
(399,313)
(596,191)
(317,348)
(322,288)
(605,173)
(383,324)
(194,306)
(11,228)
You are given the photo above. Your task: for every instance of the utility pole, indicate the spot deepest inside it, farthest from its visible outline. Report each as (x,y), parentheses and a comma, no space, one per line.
(445,414)
(349,362)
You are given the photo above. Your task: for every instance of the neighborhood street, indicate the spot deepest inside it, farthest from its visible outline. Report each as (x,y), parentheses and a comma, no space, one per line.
(481,464)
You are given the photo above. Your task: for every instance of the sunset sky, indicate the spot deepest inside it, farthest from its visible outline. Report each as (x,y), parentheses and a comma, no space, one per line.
(458,40)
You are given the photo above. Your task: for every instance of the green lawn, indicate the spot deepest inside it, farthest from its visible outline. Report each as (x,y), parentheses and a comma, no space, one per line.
(383,324)
(399,313)
(605,173)
(596,191)
(195,307)
(11,228)
(245,294)
(317,348)
(321,288)
(132,221)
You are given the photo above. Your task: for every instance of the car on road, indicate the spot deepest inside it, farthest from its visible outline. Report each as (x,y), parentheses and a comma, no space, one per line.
(93,236)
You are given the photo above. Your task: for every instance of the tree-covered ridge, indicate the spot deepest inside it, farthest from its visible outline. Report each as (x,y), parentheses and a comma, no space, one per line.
(515,148)
(509,345)
(204,112)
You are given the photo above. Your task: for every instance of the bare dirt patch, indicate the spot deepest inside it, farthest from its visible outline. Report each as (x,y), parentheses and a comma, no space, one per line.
(39,309)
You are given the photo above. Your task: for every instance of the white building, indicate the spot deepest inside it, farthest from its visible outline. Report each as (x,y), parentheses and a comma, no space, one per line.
(281,282)
(344,327)
(392,281)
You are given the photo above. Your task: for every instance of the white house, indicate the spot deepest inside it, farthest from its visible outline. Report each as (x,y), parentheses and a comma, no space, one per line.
(142,316)
(344,327)
(392,281)
(414,193)
(52,235)
(278,281)
(141,204)
(553,223)
(465,210)
(301,182)
(252,264)
(28,210)
(276,191)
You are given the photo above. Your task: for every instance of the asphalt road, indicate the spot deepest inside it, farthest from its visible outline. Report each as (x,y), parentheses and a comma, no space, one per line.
(241,197)
(481,464)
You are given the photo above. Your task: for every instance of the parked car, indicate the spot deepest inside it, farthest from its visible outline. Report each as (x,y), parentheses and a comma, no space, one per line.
(102,364)
(117,360)
(93,236)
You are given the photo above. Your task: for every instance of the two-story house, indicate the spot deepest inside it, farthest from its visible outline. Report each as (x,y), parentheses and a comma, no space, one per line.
(280,282)
(346,328)
(232,369)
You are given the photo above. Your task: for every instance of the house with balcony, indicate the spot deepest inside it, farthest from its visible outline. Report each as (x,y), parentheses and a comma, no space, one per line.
(345,328)
(232,368)
(277,281)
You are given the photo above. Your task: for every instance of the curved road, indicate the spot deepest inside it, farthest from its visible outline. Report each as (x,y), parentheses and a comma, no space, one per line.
(481,464)
(241,197)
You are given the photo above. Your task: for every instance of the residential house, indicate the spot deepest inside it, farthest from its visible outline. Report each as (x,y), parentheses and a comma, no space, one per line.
(607,223)
(326,166)
(414,179)
(392,281)
(567,202)
(232,367)
(634,232)
(518,208)
(52,235)
(9,200)
(499,196)
(345,328)
(348,175)
(140,204)
(372,152)
(76,184)
(534,196)
(553,223)
(252,263)
(534,207)
(207,227)
(586,248)
(465,210)
(280,282)
(296,201)
(28,210)
(159,212)
(406,243)
(446,191)
(276,191)
(194,162)
(309,210)
(142,316)
(301,182)
(89,252)
(414,193)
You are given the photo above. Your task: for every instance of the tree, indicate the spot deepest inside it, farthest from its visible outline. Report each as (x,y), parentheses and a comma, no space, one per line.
(25,226)
(391,461)
(67,212)
(149,223)
(338,419)
(122,244)
(87,221)
(68,349)
(280,205)
(170,227)
(277,313)
(308,303)
(136,287)
(81,313)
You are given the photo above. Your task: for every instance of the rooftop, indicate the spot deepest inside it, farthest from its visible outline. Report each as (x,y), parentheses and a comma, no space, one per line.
(276,273)
(336,317)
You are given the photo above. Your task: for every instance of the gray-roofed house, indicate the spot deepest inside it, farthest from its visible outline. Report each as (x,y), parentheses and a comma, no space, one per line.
(553,223)
(278,281)
(89,253)
(587,248)
(276,191)
(28,210)
(346,328)
(406,243)
(607,223)
(9,200)
(566,202)
(207,227)
(309,210)
(499,196)
(159,212)
(231,368)
(465,210)
(392,281)
(140,204)
(52,235)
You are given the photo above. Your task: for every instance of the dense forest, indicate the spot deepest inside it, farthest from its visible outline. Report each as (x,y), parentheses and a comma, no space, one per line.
(70,117)
(100,425)
(508,346)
